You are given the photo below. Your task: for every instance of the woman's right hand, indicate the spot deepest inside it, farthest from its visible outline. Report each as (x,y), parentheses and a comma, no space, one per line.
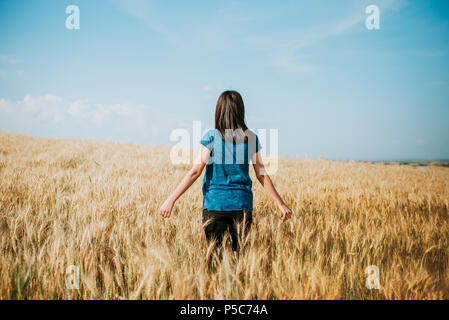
(166,208)
(286,212)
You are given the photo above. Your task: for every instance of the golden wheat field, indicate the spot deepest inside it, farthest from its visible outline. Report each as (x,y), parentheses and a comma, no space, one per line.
(94,205)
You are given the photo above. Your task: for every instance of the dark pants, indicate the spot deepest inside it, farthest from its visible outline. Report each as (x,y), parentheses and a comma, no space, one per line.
(218,222)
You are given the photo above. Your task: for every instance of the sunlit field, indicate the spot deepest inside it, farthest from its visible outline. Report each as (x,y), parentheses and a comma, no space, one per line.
(94,205)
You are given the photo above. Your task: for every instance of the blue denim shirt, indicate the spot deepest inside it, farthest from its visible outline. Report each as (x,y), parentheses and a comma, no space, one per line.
(227,185)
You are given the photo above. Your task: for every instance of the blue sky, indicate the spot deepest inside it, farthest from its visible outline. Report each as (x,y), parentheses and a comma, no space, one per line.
(136,70)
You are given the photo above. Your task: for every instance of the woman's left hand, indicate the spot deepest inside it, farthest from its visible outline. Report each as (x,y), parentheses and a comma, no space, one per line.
(166,208)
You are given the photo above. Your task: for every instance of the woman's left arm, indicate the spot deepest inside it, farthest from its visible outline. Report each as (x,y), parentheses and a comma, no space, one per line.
(186,182)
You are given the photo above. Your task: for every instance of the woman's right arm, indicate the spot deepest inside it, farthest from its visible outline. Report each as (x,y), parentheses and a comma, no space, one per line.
(267,184)
(189,179)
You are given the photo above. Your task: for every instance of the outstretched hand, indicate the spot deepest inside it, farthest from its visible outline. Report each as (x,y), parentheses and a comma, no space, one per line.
(166,208)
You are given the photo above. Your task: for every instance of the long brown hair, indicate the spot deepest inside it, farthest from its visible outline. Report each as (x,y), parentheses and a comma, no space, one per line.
(230,116)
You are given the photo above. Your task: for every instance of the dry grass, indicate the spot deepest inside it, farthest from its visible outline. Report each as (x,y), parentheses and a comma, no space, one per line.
(93,205)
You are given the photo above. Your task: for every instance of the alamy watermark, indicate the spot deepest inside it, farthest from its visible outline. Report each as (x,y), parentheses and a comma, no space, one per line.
(373,277)
(73,20)
(72,281)
(372,22)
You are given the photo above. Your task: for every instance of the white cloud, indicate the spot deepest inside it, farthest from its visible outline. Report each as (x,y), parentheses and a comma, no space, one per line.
(98,113)
(46,107)
(54,108)
(5,106)
(145,12)
(8,62)
(233,24)
(19,73)
(284,48)
(224,25)
(55,116)
(9,59)
(75,108)
(122,109)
